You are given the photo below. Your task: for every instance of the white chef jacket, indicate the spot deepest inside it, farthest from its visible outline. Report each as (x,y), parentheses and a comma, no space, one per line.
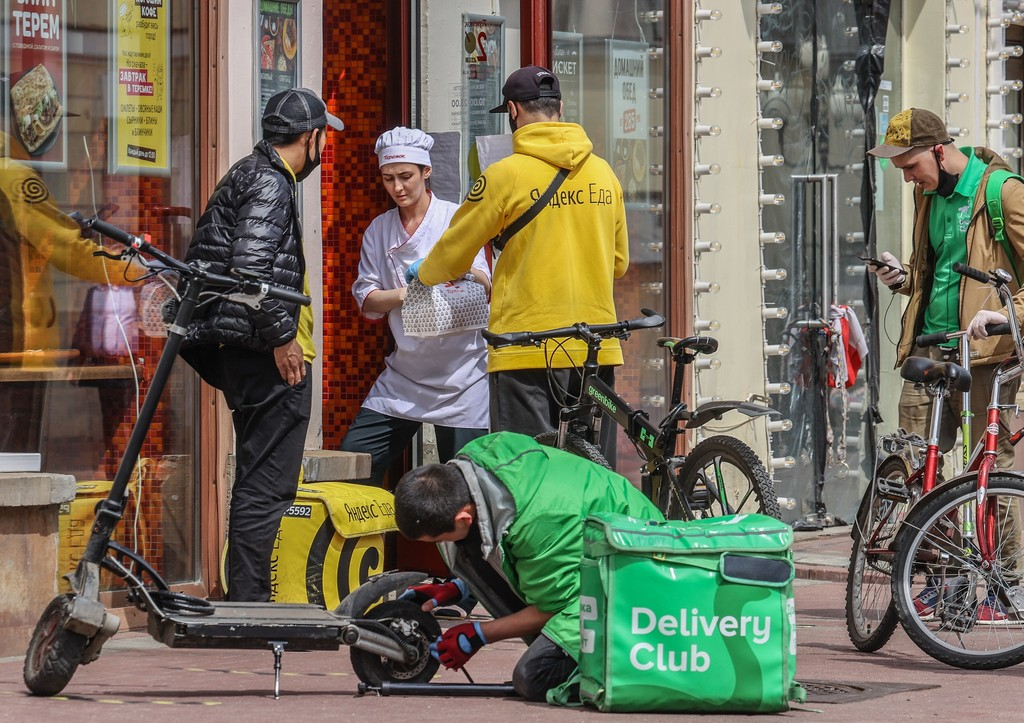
(439,380)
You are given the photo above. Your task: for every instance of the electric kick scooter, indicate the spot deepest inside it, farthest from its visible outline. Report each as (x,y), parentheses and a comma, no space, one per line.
(389,642)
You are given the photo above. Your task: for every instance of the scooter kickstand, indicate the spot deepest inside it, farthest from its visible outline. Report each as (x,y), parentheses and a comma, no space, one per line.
(278,647)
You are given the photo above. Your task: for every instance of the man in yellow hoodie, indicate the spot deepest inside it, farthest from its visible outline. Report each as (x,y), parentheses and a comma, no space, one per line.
(557,270)
(36,237)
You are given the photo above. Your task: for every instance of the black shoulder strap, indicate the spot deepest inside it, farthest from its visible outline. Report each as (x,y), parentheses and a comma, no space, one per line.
(499,241)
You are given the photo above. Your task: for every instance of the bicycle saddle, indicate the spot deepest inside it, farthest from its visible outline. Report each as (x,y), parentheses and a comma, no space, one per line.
(697,344)
(926,371)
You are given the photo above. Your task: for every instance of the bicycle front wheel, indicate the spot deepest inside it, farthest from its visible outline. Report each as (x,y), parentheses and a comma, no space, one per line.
(720,476)
(955,606)
(870,611)
(575,444)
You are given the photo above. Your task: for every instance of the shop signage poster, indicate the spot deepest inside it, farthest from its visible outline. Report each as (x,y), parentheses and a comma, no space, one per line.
(483,73)
(35,81)
(141,138)
(277,43)
(567,64)
(628,123)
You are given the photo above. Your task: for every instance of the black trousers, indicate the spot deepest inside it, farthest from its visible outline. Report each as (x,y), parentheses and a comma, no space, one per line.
(385,438)
(544,665)
(270,420)
(522,401)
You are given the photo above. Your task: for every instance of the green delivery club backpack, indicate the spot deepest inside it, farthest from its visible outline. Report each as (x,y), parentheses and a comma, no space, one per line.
(687,616)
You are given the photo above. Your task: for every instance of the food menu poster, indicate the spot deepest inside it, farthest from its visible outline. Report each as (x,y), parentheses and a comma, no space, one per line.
(141,138)
(483,73)
(277,42)
(35,81)
(628,123)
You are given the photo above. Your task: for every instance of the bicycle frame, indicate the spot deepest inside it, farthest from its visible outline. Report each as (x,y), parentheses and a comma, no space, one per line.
(654,441)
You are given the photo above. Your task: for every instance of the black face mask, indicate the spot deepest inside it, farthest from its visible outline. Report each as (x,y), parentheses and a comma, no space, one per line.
(947,181)
(311,165)
(511,122)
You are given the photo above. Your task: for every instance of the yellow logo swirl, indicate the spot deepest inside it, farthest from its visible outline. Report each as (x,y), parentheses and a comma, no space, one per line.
(476,193)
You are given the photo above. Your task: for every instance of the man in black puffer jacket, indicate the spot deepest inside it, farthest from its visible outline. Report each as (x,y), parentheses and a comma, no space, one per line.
(260,358)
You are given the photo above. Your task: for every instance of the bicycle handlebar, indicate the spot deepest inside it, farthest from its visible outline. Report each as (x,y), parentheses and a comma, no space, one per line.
(245,284)
(581,330)
(971,273)
(942,337)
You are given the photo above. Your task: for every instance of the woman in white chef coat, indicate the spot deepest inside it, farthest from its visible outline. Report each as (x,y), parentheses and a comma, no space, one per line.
(437,380)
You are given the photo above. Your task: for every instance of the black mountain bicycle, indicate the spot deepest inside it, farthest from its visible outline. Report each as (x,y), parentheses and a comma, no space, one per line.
(721,475)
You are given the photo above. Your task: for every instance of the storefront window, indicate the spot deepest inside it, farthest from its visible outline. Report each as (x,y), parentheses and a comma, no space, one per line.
(97,117)
(611,66)
(611,61)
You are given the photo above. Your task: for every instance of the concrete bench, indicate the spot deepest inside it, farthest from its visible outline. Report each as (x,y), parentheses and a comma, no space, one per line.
(29,507)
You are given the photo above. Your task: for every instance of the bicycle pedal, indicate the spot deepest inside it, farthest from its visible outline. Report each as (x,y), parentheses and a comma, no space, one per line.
(893,489)
(700,499)
(958,606)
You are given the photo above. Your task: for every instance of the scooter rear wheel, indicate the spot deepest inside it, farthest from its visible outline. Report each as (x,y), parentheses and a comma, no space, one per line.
(415,628)
(54,652)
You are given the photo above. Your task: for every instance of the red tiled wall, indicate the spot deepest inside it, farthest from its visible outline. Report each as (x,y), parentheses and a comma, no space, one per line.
(355,74)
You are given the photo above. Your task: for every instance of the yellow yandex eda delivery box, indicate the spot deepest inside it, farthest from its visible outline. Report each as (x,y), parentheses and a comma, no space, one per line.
(330,542)
(74,525)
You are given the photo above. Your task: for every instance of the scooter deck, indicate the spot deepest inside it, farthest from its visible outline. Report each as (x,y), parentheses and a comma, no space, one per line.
(250,625)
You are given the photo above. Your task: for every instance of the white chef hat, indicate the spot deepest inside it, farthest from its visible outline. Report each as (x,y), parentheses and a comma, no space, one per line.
(403,145)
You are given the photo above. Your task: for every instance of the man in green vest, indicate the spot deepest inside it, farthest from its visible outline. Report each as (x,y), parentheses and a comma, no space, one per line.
(507,515)
(951,225)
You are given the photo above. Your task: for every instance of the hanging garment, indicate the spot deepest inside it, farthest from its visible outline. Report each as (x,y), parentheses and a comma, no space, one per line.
(848,347)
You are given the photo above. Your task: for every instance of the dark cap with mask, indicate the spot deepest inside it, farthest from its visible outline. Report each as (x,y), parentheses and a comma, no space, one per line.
(298,110)
(910,129)
(528,83)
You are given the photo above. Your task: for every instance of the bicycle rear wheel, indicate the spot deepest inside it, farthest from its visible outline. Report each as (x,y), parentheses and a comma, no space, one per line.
(953,606)
(870,611)
(720,476)
(575,444)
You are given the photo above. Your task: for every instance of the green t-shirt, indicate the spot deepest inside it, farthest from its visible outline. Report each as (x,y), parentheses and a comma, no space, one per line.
(947,231)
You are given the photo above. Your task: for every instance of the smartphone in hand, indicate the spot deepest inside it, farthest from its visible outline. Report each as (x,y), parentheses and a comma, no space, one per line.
(880,264)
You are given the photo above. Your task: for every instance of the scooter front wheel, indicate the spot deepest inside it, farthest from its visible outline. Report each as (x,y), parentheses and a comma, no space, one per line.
(54,652)
(414,627)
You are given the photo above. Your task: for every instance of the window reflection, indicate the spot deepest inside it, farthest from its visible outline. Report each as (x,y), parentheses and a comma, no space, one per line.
(78,333)
(611,62)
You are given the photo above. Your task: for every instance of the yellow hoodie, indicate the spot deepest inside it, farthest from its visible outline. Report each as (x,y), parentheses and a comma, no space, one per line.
(559,269)
(37,236)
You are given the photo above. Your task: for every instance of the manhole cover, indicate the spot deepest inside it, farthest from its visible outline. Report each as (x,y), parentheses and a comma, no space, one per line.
(829,692)
(821,691)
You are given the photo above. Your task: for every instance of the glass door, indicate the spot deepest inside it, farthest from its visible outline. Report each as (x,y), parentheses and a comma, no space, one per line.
(611,60)
(822,141)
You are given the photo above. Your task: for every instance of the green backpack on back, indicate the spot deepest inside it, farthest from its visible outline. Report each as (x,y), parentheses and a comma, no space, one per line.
(994,204)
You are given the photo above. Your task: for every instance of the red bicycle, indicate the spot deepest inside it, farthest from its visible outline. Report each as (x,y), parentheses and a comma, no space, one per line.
(906,473)
(958,556)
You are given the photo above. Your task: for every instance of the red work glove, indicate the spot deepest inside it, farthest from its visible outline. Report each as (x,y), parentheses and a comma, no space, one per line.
(446,593)
(457,645)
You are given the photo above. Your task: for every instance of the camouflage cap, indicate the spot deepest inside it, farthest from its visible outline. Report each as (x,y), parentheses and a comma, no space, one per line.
(912,128)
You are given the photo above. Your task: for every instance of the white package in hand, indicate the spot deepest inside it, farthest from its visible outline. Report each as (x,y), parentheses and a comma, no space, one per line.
(447,308)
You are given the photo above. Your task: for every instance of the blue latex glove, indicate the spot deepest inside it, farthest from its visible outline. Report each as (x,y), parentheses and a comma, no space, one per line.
(447,593)
(457,645)
(413,272)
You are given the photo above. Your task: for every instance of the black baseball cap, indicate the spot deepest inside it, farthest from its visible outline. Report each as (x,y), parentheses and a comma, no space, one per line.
(528,83)
(297,110)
